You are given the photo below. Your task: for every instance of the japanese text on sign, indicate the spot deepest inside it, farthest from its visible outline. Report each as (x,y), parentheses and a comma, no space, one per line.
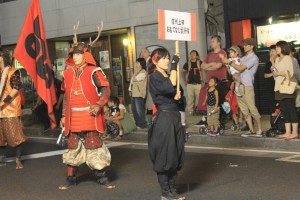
(177,25)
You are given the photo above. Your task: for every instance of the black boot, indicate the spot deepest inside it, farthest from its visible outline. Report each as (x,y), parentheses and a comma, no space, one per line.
(172,183)
(71,181)
(163,181)
(102,179)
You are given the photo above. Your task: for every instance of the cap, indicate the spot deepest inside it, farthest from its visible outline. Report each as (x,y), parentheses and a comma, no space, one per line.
(235,49)
(250,41)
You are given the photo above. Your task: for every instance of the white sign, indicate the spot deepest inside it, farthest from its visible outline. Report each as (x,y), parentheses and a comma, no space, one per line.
(270,34)
(174,25)
(104,59)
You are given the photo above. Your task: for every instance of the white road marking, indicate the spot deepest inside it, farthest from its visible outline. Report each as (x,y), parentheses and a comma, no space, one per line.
(54,153)
(37,155)
(221,148)
(117,144)
(294,159)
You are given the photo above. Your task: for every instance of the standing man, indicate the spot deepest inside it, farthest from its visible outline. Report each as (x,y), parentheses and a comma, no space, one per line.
(213,67)
(248,67)
(87,91)
(213,64)
(192,70)
(11,129)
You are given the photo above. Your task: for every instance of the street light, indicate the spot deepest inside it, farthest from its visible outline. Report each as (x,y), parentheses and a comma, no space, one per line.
(125,42)
(270,20)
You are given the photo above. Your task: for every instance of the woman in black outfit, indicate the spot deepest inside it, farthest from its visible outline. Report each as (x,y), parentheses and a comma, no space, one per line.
(166,137)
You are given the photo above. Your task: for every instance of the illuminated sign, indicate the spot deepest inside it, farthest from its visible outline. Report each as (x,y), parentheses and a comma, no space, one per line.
(268,35)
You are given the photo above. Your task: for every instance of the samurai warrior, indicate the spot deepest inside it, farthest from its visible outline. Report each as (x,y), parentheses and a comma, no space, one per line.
(87,91)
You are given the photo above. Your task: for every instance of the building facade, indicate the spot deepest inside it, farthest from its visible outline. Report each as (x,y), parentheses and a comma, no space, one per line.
(134,20)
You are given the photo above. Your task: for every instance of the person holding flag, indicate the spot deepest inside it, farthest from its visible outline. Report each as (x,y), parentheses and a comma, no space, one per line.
(166,137)
(87,92)
(11,129)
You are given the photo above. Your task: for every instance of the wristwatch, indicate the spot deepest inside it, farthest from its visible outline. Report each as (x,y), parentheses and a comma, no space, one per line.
(230,63)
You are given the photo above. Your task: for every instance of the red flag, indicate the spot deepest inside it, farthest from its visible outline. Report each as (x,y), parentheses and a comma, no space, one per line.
(32,53)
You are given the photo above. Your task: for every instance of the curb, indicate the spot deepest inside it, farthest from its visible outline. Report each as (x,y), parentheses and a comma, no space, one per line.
(264,143)
(229,141)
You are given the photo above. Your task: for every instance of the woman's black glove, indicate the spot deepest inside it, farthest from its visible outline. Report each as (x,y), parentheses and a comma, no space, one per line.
(174,62)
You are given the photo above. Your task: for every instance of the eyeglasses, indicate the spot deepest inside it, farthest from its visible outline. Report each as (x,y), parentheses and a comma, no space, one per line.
(246,45)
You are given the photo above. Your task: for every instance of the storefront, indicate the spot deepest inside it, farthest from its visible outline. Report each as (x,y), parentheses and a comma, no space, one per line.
(268,21)
(111,52)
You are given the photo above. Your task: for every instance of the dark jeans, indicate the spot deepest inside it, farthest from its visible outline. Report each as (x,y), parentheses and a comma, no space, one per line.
(138,110)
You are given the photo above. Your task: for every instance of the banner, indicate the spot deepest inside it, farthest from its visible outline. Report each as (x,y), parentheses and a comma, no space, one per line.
(174,25)
(32,53)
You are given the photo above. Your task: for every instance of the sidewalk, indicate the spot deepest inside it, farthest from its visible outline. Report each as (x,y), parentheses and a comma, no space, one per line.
(230,139)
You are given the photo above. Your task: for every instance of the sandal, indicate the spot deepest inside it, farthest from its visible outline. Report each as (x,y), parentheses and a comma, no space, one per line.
(71,181)
(291,138)
(283,136)
(106,137)
(119,137)
(102,180)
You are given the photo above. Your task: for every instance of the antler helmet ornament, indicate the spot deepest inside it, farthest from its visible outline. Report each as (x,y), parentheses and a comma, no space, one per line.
(81,47)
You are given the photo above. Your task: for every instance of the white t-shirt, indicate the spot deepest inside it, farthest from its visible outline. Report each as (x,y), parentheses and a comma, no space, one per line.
(122,107)
(232,69)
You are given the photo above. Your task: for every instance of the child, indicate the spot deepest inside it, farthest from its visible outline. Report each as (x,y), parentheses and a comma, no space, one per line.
(115,114)
(212,102)
(234,54)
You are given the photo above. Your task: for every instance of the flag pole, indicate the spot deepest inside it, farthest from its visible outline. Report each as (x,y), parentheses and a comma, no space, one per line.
(178,77)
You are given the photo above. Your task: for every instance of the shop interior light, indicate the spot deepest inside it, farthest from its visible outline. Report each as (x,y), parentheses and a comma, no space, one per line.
(270,20)
(297,17)
(125,42)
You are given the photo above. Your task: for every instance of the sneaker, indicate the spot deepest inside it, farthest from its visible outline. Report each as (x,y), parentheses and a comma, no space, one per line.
(201,123)
(259,133)
(247,134)
(212,133)
(238,94)
(217,133)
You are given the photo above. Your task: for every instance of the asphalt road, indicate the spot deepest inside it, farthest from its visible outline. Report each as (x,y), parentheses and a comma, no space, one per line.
(209,174)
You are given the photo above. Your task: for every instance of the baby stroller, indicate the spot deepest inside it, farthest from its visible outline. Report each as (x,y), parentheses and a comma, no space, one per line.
(223,88)
(277,124)
(230,107)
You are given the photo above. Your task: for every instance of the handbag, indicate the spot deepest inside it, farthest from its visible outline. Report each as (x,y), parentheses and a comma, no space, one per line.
(287,86)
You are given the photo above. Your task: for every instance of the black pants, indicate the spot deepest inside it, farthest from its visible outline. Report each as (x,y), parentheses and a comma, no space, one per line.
(17,148)
(288,109)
